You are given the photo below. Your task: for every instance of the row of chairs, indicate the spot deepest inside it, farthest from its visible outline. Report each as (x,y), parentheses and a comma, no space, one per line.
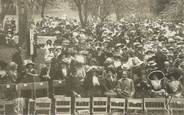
(27,90)
(97,106)
(107,106)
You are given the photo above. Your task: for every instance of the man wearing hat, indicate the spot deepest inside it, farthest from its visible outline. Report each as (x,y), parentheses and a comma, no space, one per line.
(30,72)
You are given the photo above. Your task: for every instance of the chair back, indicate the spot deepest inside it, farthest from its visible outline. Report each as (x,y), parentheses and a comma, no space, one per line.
(176,105)
(41,89)
(62,105)
(58,87)
(2,107)
(117,105)
(81,105)
(135,106)
(99,106)
(43,106)
(25,90)
(155,106)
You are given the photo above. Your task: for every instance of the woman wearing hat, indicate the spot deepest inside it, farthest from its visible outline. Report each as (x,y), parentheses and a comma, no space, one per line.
(92,83)
(156,81)
(173,83)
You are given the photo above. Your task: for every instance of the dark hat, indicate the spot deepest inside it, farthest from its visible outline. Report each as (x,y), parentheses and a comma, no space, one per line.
(28,62)
(110,69)
(174,72)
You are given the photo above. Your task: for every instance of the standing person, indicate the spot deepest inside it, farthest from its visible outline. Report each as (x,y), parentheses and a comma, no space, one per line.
(17,58)
(125,86)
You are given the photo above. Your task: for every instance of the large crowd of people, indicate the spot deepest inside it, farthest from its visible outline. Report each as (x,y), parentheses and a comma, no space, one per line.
(8,31)
(113,59)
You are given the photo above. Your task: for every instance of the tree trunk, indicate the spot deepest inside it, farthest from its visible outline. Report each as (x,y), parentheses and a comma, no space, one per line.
(3,11)
(43,8)
(80,11)
(86,12)
(81,17)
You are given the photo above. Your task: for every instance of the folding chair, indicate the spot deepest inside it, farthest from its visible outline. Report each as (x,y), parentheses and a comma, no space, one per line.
(25,90)
(117,106)
(31,107)
(99,106)
(155,106)
(177,106)
(62,105)
(42,106)
(41,89)
(82,106)
(2,95)
(10,107)
(135,106)
(58,87)
(2,107)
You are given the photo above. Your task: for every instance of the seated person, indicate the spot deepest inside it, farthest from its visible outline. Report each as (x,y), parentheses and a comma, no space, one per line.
(30,73)
(156,82)
(125,86)
(92,83)
(173,84)
(109,82)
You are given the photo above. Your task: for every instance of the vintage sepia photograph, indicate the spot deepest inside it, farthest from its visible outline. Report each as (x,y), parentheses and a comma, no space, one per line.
(91,57)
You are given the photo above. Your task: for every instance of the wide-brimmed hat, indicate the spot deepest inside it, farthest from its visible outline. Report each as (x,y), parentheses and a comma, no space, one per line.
(12,65)
(28,62)
(159,74)
(80,59)
(174,72)
(117,55)
(110,68)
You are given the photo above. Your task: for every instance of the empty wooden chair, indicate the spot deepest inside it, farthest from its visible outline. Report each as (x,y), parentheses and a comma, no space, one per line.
(82,106)
(135,106)
(25,90)
(62,105)
(99,106)
(42,106)
(155,106)
(41,89)
(117,106)
(11,107)
(31,107)
(176,105)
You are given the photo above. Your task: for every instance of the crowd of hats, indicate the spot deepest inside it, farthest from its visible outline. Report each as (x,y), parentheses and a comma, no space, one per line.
(8,31)
(118,39)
